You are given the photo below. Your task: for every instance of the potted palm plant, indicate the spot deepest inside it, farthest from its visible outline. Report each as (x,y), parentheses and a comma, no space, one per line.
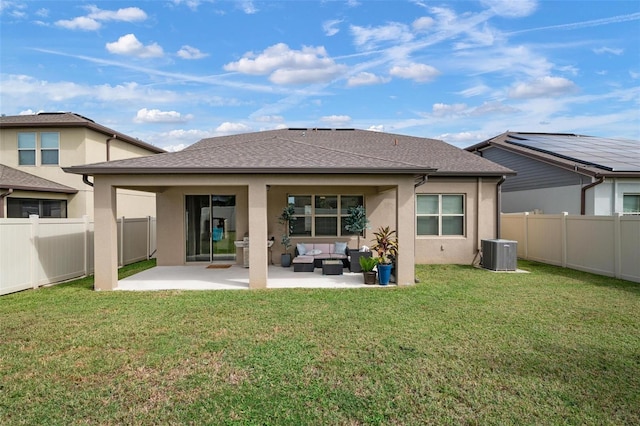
(386,246)
(356,222)
(368,264)
(286,218)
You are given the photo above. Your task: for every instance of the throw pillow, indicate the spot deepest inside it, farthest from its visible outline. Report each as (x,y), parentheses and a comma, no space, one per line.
(302,250)
(341,248)
(314,252)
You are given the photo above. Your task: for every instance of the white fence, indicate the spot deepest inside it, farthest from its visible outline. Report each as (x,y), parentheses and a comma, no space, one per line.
(604,245)
(36,252)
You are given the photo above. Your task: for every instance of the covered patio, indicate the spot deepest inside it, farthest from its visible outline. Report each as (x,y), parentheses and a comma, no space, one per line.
(233,277)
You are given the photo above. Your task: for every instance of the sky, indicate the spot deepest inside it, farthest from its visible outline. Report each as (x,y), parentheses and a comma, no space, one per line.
(173,72)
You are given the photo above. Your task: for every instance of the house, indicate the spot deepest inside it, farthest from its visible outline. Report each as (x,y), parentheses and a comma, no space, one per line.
(35,148)
(559,172)
(440,199)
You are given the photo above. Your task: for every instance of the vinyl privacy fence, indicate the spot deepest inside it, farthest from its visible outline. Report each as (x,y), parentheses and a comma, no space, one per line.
(604,245)
(36,252)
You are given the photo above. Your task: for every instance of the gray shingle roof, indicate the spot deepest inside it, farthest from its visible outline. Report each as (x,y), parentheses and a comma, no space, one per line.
(308,151)
(11,178)
(591,155)
(69,119)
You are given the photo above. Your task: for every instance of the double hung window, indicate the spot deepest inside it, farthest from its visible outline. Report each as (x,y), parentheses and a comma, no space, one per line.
(631,204)
(49,148)
(440,214)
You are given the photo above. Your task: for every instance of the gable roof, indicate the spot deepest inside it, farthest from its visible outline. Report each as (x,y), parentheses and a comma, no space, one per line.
(594,156)
(70,119)
(11,178)
(309,151)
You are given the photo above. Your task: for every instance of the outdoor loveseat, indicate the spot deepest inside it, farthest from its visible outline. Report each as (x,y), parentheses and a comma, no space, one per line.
(310,255)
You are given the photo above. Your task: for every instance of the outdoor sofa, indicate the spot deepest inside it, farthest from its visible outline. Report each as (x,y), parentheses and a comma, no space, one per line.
(310,255)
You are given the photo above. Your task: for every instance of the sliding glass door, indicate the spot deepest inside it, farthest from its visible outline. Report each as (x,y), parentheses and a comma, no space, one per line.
(210,227)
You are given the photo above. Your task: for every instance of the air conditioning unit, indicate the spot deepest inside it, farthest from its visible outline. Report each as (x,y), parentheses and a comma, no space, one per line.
(500,255)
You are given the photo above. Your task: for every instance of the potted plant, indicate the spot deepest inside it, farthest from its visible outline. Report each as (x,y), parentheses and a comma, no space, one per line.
(286,218)
(356,222)
(386,246)
(368,264)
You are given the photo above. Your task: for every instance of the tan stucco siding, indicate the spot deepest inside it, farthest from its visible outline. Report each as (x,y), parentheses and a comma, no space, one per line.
(80,146)
(480,220)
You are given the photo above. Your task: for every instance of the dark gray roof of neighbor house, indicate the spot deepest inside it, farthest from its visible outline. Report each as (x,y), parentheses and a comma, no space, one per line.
(15,179)
(309,151)
(70,119)
(590,155)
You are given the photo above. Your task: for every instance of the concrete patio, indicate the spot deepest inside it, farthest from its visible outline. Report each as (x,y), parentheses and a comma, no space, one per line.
(235,277)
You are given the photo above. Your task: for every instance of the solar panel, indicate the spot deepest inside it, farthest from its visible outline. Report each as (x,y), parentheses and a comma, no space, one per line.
(604,153)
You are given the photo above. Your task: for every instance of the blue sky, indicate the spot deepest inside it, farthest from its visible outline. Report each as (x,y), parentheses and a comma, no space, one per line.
(174,72)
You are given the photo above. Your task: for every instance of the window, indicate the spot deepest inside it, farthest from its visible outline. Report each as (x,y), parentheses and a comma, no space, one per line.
(23,207)
(440,214)
(322,215)
(631,204)
(27,149)
(49,146)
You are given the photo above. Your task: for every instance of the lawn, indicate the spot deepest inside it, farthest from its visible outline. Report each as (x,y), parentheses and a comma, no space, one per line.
(465,346)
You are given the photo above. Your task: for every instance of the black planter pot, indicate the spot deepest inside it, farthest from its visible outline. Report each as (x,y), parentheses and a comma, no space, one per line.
(285,260)
(369,277)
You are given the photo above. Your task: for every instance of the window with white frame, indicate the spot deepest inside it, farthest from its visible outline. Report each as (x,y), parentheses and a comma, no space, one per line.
(49,148)
(27,149)
(440,214)
(631,204)
(322,215)
(49,143)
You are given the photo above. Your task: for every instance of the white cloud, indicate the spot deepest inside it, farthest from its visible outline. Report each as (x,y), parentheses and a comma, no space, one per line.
(442,110)
(189,52)
(129,45)
(286,66)
(336,120)
(420,73)
(80,23)
(156,116)
(493,108)
(476,90)
(370,37)
(511,8)
(366,79)
(610,50)
(92,21)
(43,13)
(330,28)
(543,87)
(376,128)
(128,14)
(269,119)
(249,8)
(29,112)
(463,138)
(422,24)
(228,128)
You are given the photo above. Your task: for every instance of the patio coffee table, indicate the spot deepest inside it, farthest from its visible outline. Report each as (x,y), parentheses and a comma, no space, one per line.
(332,267)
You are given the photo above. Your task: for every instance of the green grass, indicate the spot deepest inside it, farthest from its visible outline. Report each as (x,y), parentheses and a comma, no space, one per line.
(465,346)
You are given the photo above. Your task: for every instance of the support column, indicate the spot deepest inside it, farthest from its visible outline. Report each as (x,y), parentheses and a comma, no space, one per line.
(258,253)
(105,235)
(405,214)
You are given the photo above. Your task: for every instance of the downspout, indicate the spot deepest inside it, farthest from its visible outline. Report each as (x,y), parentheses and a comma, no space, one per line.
(85,179)
(114,137)
(2,197)
(499,204)
(421,182)
(583,194)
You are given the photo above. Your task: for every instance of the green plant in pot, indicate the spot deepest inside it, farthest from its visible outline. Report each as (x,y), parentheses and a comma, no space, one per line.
(287,219)
(368,265)
(386,246)
(356,221)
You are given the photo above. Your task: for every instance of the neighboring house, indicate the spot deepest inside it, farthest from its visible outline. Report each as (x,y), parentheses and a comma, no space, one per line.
(566,173)
(441,199)
(35,148)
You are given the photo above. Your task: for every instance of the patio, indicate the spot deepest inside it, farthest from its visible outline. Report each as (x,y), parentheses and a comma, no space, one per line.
(234,277)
